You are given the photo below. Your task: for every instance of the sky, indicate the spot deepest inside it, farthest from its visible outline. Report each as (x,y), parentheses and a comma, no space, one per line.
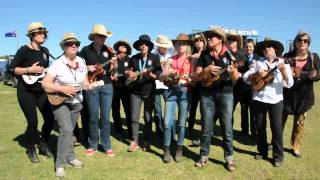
(279,19)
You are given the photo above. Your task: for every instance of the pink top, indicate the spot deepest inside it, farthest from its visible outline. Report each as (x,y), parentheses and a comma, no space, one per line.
(181,65)
(301,63)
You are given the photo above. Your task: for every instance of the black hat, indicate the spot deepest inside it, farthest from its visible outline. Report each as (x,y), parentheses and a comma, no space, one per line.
(268,42)
(143,39)
(122,43)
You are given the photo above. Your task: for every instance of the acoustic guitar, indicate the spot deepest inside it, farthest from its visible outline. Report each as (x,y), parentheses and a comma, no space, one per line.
(209,79)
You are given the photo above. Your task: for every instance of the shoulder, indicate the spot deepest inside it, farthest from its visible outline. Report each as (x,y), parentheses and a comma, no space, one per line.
(23,49)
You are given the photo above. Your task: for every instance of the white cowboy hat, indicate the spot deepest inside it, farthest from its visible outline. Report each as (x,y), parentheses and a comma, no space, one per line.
(163,41)
(99,29)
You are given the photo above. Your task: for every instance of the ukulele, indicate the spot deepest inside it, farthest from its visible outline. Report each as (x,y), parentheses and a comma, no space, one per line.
(209,79)
(258,82)
(139,75)
(174,78)
(33,78)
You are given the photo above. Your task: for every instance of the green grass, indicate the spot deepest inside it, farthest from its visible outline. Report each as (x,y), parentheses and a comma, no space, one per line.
(14,164)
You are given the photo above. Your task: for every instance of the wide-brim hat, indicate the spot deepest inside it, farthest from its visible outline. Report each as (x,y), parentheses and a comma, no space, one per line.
(68,37)
(277,45)
(163,41)
(201,37)
(99,29)
(124,43)
(36,27)
(217,31)
(237,37)
(143,39)
(183,37)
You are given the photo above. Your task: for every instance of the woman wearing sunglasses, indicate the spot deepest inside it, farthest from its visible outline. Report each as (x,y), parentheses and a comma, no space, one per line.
(300,98)
(30,61)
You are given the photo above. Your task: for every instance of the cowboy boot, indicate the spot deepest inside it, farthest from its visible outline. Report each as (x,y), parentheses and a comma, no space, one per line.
(32,154)
(44,149)
(166,154)
(178,156)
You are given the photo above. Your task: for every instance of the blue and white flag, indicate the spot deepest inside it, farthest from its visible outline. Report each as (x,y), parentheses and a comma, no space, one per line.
(11,34)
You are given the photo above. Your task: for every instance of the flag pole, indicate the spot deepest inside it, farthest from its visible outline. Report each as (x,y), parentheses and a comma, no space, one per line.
(17,40)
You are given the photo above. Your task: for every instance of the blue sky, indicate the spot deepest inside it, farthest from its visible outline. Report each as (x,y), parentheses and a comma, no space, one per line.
(278,19)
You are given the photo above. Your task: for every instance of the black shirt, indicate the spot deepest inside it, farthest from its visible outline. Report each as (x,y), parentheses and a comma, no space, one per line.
(123,65)
(26,57)
(93,57)
(224,60)
(145,86)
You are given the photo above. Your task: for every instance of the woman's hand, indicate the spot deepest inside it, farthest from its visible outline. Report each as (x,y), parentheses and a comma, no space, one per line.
(68,90)
(35,68)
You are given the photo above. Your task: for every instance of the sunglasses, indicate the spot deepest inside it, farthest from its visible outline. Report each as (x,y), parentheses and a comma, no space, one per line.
(71,43)
(303,40)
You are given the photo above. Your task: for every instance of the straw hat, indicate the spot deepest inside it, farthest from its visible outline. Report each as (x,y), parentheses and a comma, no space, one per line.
(36,27)
(99,29)
(236,37)
(68,37)
(124,43)
(182,37)
(143,39)
(216,32)
(163,41)
(266,43)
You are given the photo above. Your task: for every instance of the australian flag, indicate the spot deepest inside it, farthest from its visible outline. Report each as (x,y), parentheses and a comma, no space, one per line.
(11,34)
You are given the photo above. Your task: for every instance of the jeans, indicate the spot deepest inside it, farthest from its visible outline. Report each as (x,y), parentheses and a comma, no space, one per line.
(212,102)
(99,99)
(275,116)
(158,118)
(66,117)
(177,94)
(136,101)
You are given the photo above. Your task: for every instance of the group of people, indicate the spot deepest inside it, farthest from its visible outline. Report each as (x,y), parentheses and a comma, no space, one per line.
(212,68)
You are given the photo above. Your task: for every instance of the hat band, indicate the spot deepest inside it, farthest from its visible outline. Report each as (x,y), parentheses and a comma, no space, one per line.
(38,29)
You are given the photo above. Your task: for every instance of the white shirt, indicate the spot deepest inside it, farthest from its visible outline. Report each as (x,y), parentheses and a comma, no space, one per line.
(68,76)
(273,92)
(163,58)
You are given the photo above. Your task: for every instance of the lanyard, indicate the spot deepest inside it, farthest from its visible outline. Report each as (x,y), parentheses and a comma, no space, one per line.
(73,74)
(142,66)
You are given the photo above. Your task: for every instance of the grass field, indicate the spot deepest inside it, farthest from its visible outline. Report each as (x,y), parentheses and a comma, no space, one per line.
(14,163)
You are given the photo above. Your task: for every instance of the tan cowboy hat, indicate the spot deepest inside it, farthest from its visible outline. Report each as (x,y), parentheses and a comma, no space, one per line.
(163,41)
(234,36)
(99,29)
(68,37)
(201,37)
(124,43)
(217,31)
(182,37)
(36,27)
(268,42)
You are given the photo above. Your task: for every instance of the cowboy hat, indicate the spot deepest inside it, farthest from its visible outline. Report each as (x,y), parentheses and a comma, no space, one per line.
(235,37)
(268,42)
(68,37)
(182,37)
(200,37)
(36,27)
(163,41)
(99,29)
(143,39)
(124,43)
(217,31)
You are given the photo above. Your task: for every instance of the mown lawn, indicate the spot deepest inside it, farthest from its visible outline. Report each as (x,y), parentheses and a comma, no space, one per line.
(14,163)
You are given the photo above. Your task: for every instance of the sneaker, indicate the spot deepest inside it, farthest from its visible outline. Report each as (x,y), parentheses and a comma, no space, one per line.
(202,162)
(109,153)
(90,152)
(60,172)
(296,154)
(133,146)
(76,163)
(231,166)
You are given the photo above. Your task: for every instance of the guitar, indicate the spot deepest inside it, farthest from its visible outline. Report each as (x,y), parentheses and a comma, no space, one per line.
(139,75)
(33,78)
(58,98)
(258,82)
(209,78)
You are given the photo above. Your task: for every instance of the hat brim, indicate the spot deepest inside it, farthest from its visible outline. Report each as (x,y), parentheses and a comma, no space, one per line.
(68,40)
(34,31)
(107,34)
(168,45)
(214,33)
(275,44)
(121,43)
(137,44)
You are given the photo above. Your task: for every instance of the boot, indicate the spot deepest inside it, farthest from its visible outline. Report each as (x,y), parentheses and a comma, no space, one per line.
(32,154)
(178,156)
(166,154)
(44,149)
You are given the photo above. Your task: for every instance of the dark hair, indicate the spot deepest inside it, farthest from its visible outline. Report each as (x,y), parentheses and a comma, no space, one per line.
(33,34)
(251,41)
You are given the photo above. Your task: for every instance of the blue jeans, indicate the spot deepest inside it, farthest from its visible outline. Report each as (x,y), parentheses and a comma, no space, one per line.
(99,99)
(212,102)
(179,95)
